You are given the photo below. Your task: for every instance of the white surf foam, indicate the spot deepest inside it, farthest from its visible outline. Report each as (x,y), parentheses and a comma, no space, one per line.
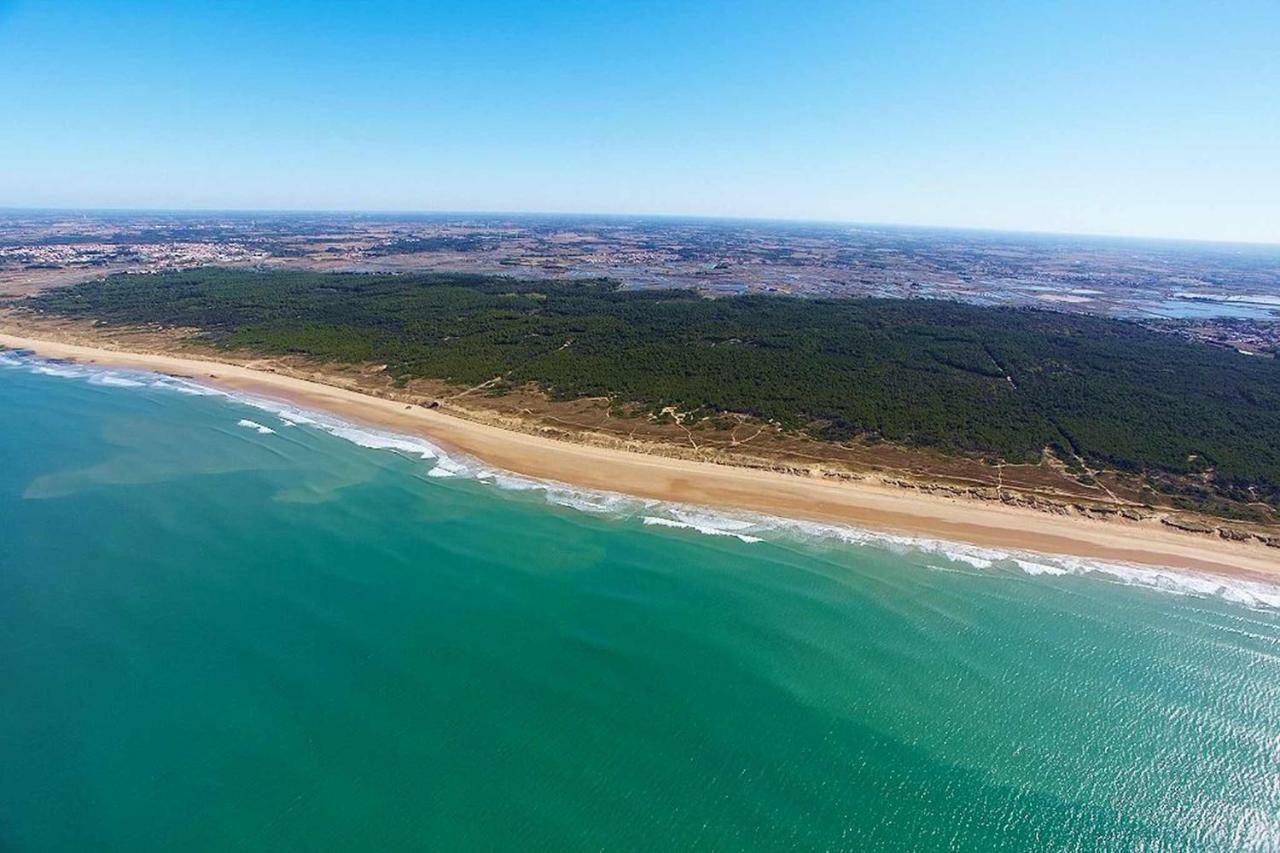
(185,386)
(1238,590)
(264,430)
(703,528)
(1032,567)
(446,467)
(746,527)
(115,380)
(596,503)
(65,371)
(375,440)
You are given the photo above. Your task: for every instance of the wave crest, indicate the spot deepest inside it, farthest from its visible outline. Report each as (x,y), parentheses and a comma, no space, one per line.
(748,528)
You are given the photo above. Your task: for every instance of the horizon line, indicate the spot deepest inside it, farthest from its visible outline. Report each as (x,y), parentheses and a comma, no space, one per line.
(284,211)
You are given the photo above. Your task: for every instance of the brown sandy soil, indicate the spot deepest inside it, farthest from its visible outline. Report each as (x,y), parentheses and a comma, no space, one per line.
(25,282)
(731,439)
(749,466)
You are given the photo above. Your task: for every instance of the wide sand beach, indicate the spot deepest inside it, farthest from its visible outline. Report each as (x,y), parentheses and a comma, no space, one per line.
(857,504)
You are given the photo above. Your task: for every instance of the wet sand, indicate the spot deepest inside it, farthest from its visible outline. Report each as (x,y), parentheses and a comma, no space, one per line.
(857,504)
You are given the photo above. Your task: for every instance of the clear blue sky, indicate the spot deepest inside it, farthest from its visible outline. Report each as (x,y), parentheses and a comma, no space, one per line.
(1158,118)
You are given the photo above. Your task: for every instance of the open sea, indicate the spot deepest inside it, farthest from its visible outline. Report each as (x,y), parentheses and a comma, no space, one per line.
(229,625)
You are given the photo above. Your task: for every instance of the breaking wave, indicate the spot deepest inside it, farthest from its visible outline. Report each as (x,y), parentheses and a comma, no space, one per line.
(748,528)
(264,430)
(708,524)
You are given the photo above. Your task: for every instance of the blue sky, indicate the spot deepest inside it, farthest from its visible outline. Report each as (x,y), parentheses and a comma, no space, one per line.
(1158,118)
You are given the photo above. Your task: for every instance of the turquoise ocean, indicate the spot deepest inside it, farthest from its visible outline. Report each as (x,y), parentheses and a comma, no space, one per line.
(226,624)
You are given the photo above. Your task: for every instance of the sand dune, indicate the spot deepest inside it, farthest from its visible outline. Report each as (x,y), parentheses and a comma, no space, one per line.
(863,505)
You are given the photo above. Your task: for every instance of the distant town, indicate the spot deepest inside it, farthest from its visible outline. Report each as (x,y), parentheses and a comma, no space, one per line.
(1222,294)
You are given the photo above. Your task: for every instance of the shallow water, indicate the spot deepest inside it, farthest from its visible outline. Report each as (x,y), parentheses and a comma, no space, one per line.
(1203,309)
(230,624)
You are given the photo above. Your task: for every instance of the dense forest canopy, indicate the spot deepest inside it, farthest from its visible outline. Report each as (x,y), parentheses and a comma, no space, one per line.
(995,381)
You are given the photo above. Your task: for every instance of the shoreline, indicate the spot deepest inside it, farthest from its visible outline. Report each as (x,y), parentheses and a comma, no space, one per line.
(865,506)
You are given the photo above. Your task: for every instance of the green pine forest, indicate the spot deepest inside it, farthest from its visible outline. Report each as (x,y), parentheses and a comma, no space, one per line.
(997,382)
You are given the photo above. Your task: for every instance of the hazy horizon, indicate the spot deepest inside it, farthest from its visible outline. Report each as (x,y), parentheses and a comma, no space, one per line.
(623,215)
(1154,121)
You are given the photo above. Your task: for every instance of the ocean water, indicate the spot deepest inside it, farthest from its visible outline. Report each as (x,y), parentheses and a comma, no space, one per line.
(228,624)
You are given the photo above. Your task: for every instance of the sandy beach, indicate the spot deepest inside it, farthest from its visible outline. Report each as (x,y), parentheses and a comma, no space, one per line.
(862,505)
